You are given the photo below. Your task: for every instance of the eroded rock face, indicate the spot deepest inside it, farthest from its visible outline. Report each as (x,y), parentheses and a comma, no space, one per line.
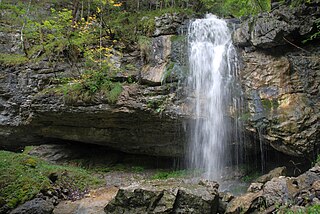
(168,24)
(170,196)
(281,84)
(283,98)
(147,118)
(134,124)
(282,25)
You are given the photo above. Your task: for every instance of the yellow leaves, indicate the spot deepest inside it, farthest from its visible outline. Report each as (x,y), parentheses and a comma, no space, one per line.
(117,4)
(99,54)
(98,10)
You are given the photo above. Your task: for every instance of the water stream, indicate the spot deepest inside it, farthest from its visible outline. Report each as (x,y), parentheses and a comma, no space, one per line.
(211,55)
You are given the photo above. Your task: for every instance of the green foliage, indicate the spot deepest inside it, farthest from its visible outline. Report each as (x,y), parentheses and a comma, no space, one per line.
(59,36)
(313,209)
(144,44)
(250,177)
(12,13)
(316,35)
(90,85)
(23,176)
(12,59)
(168,72)
(269,105)
(156,104)
(178,38)
(236,8)
(117,167)
(316,161)
(245,116)
(170,174)
(132,26)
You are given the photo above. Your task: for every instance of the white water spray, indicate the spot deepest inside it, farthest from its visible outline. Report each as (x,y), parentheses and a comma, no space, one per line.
(210,50)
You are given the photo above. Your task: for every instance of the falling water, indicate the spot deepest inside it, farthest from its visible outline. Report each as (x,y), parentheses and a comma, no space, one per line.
(210,52)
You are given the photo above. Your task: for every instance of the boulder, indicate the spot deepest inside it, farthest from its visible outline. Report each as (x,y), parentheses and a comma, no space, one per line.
(279,191)
(277,172)
(255,187)
(247,203)
(171,196)
(35,206)
(224,199)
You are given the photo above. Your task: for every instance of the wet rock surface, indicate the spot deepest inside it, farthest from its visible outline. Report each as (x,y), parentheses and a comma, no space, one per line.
(277,172)
(290,193)
(281,85)
(170,196)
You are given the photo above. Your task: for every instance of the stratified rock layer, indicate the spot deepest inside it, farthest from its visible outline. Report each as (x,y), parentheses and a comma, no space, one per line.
(281,84)
(146,119)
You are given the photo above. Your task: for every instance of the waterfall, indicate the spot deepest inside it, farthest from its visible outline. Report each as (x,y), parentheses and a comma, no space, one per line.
(211,71)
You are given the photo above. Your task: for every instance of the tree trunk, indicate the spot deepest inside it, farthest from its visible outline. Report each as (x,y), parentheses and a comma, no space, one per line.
(75,11)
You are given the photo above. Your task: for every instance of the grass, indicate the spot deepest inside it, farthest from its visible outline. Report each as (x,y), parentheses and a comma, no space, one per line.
(12,59)
(178,38)
(161,175)
(86,90)
(119,168)
(23,176)
(312,209)
(250,177)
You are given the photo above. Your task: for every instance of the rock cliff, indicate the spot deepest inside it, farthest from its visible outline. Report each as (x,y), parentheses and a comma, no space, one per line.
(279,75)
(280,78)
(146,119)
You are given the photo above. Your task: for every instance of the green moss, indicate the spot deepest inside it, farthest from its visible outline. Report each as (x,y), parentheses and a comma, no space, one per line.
(12,59)
(177,38)
(23,176)
(158,105)
(245,116)
(269,105)
(90,87)
(168,72)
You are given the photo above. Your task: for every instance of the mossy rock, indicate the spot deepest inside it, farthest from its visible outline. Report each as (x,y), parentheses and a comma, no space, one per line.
(12,59)
(23,177)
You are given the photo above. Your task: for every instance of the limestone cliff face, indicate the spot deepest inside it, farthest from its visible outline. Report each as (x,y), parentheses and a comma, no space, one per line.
(281,80)
(147,118)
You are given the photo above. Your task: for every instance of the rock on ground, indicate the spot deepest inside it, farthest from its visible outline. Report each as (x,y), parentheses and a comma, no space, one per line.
(170,196)
(35,206)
